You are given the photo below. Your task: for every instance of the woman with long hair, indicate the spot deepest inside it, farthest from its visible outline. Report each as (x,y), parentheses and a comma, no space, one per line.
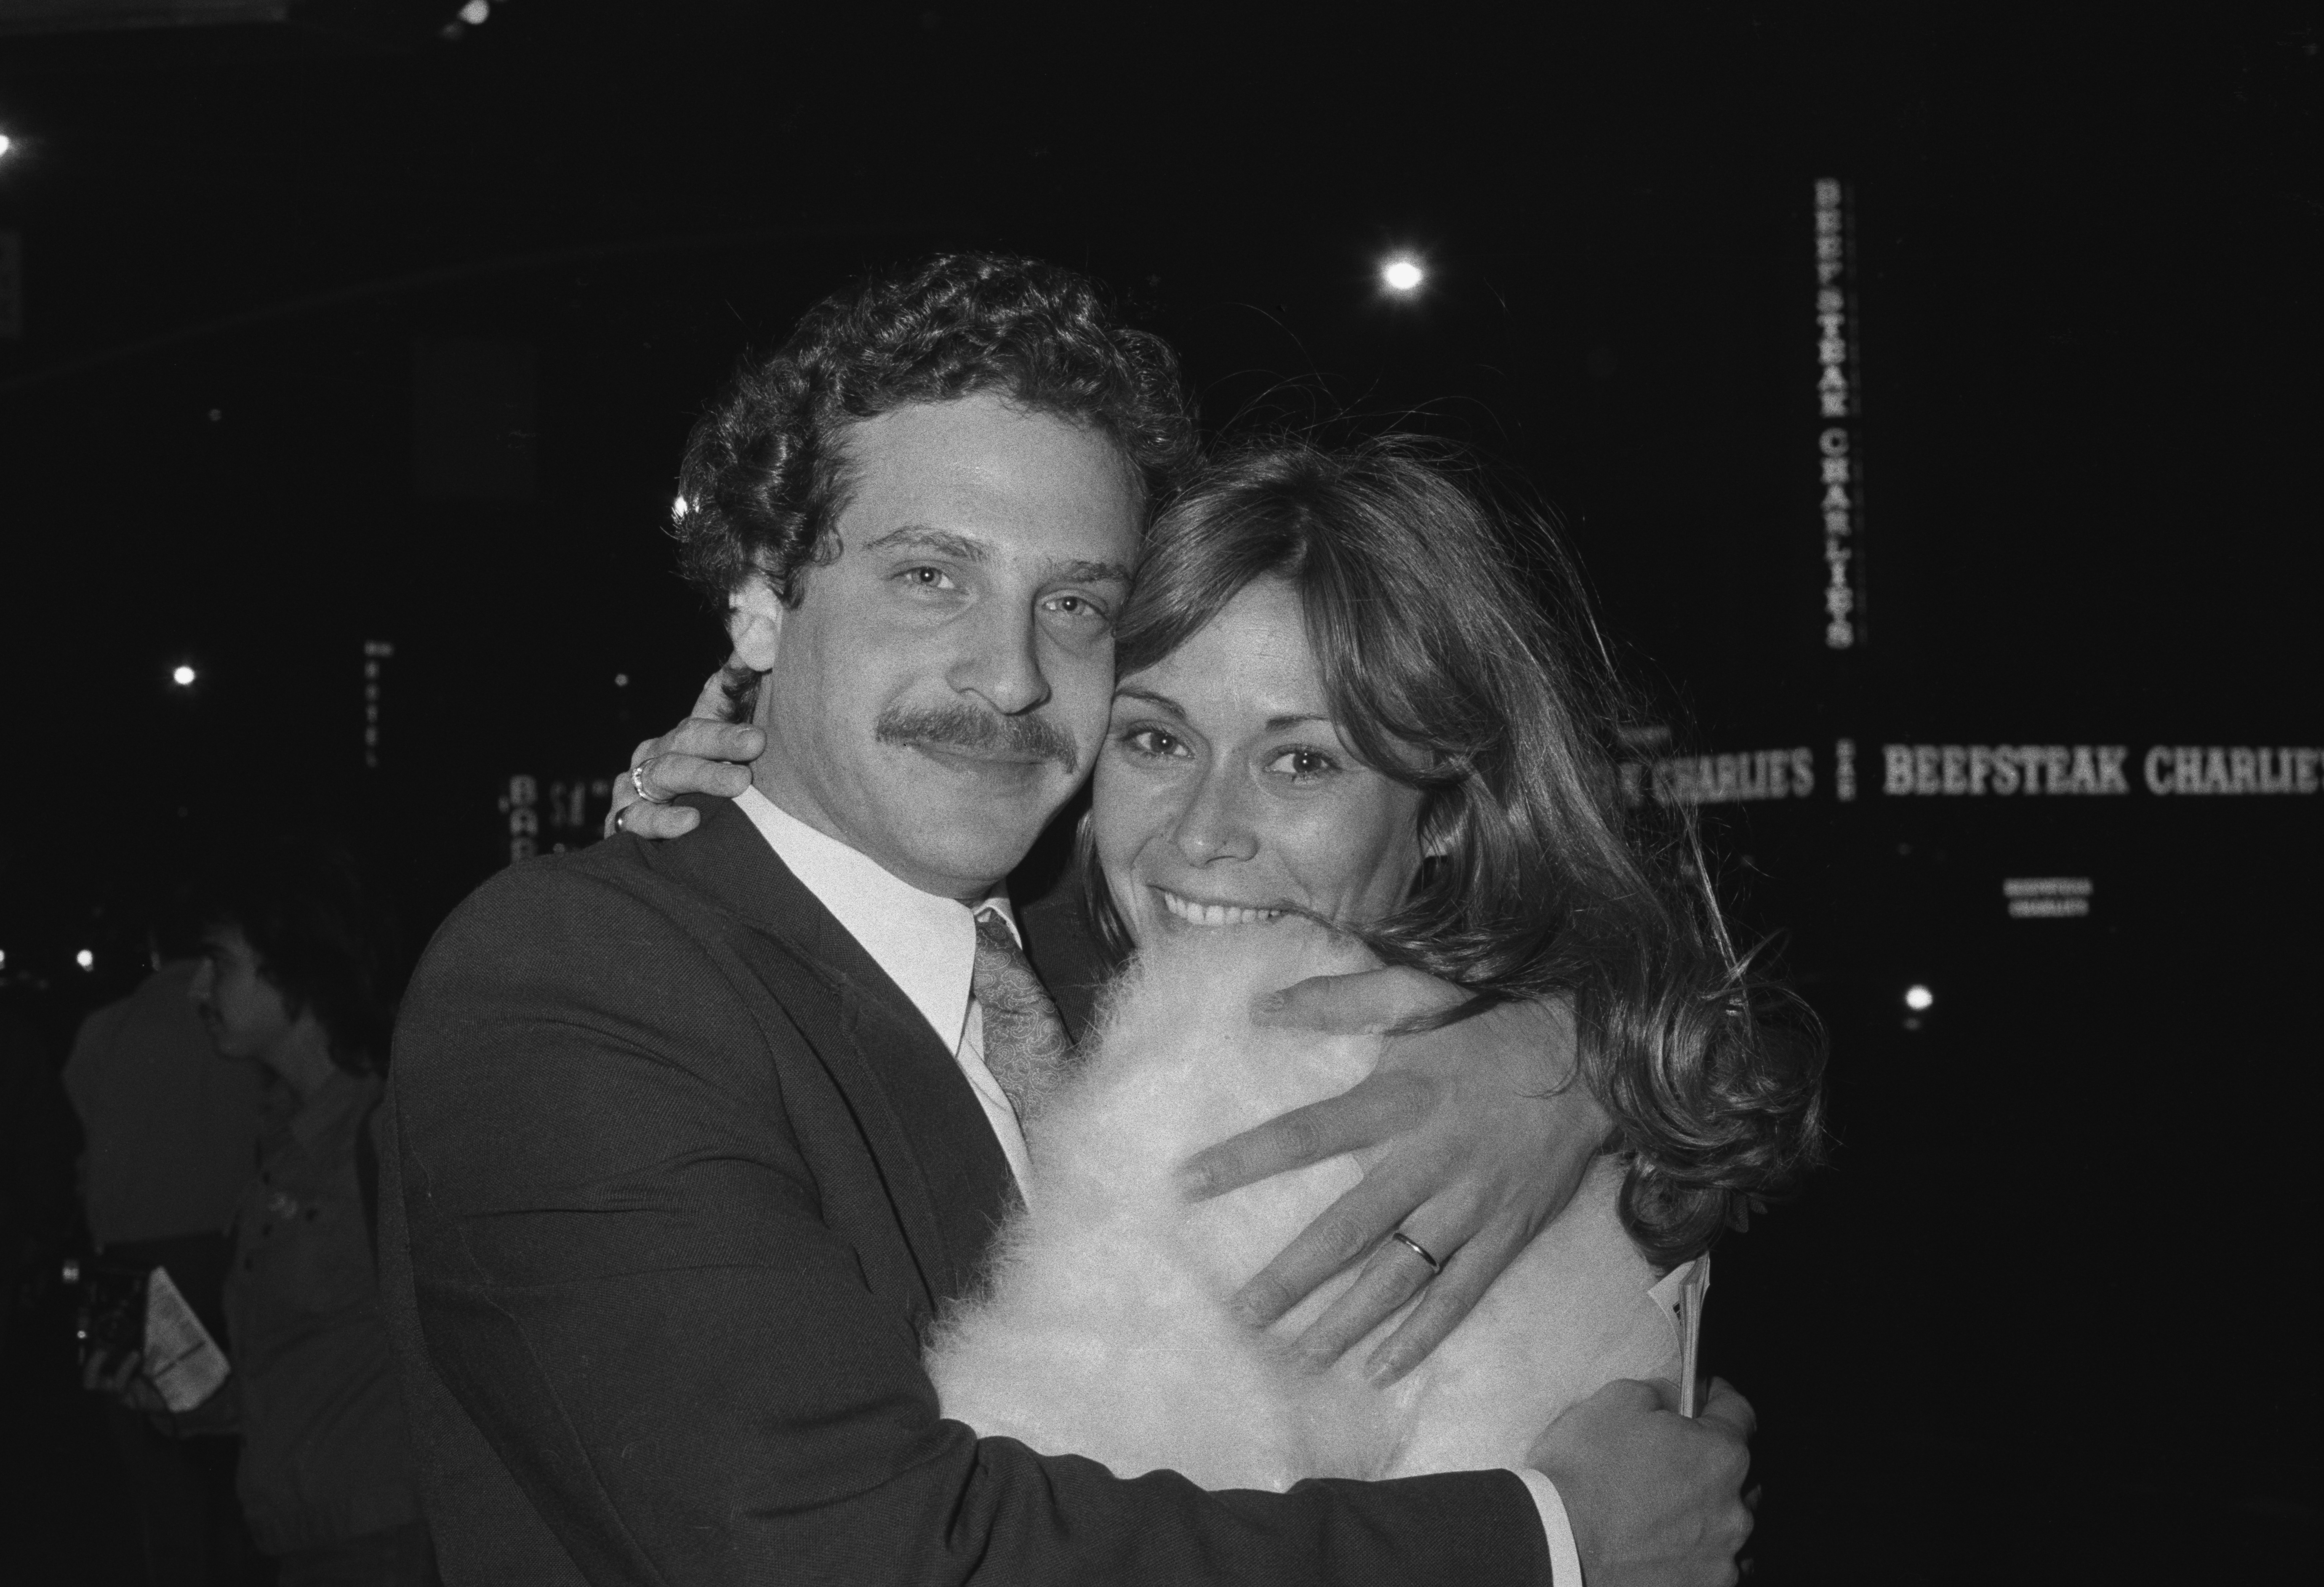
(1364,716)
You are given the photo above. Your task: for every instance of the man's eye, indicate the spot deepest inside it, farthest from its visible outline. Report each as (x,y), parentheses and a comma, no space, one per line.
(1075,606)
(929,578)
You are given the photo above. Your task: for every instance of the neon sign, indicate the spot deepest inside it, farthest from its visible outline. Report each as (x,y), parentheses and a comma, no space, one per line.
(1840,461)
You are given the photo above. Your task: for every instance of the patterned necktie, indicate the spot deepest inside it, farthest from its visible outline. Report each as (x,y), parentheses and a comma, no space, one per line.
(1025,1044)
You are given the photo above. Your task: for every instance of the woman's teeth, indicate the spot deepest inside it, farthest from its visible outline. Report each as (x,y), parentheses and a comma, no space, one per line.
(1195,914)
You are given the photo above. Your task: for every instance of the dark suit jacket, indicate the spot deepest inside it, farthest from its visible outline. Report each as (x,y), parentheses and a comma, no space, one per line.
(678,1180)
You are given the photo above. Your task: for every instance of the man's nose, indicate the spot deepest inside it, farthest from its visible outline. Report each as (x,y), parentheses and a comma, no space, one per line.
(1001,663)
(198,990)
(1216,824)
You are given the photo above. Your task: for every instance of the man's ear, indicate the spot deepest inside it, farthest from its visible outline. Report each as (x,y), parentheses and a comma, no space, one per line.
(754,623)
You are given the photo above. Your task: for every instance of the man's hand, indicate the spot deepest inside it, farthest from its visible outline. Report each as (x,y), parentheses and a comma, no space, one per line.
(1480,1137)
(1655,1499)
(122,1378)
(702,754)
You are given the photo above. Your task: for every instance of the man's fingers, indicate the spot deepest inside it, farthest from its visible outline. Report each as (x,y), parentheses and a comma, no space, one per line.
(711,703)
(710,741)
(667,775)
(1634,1397)
(1731,1410)
(1367,1003)
(1349,1227)
(111,1374)
(1362,1116)
(663,821)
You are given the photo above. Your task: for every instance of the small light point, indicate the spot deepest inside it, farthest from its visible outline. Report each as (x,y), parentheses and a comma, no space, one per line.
(85,959)
(1917,998)
(1402,275)
(182,675)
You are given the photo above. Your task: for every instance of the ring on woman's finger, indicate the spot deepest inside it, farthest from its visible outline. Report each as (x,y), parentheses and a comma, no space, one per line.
(638,782)
(1418,1249)
(620,816)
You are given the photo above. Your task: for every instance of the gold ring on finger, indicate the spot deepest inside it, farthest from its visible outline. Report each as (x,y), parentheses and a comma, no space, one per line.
(1418,1249)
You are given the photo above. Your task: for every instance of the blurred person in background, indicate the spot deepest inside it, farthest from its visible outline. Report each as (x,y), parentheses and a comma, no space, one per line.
(37,1144)
(171,1127)
(294,982)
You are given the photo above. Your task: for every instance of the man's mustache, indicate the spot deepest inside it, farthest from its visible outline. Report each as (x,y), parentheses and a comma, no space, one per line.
(966,727)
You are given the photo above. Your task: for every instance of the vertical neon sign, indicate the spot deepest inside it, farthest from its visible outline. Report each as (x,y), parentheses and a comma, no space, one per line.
(1838,404)
(376,654)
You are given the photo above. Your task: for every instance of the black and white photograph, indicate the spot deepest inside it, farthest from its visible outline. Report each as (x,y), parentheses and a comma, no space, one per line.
(970,795)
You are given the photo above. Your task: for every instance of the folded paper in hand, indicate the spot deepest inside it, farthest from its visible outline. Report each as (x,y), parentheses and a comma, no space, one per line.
(182,1361)
(1682,1294)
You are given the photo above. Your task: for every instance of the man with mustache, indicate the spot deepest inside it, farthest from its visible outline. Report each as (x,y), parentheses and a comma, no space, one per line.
(970,731)
(692,1141)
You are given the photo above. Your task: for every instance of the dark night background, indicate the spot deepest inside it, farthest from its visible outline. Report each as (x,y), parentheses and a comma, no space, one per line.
(337,329)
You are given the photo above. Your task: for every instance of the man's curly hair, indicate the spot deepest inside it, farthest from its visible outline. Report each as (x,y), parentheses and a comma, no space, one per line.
(766,474)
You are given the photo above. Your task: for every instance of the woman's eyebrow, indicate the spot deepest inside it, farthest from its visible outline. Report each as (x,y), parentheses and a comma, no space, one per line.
(1079,572)
(1162,702)
(1277,723)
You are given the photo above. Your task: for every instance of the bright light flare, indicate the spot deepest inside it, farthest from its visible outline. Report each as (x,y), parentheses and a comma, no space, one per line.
(183,676)
(1402,275)
(85,959)
(6,143)
(1919,998)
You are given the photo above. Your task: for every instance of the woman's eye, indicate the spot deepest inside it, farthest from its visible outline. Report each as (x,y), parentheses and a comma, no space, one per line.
(1152,741)
(1303,764)
(1080,608)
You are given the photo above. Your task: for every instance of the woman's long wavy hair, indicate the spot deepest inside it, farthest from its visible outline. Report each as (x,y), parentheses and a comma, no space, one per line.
(1457,646)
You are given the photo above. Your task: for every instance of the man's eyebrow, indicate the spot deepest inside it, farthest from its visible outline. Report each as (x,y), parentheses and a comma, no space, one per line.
(920,537)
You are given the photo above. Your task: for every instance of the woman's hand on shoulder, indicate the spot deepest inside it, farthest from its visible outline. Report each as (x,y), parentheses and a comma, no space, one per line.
(1475,1134)
(705,754)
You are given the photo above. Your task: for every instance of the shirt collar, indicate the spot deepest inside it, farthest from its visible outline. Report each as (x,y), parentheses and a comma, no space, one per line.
(328,1104)
(926,945)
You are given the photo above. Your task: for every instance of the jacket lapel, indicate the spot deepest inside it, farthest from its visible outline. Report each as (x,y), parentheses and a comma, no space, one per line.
(927,1135)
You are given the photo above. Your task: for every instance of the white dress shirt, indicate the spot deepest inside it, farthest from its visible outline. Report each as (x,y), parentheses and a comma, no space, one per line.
(926,945)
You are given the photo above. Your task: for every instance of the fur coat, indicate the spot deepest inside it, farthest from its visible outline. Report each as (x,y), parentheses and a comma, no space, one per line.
(1102,1330)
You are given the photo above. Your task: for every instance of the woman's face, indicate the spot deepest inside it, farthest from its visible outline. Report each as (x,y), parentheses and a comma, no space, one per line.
(1224,793)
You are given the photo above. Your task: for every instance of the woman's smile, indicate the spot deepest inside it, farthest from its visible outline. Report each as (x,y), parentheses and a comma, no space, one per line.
(1195,912)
